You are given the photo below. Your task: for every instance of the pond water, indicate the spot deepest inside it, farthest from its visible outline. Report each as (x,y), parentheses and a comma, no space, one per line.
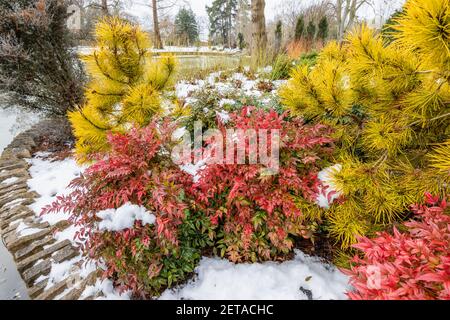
(206,62)
(190,62)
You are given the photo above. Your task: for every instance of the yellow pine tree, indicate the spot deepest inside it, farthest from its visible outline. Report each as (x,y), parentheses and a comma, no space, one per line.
(390,107)
(125,87)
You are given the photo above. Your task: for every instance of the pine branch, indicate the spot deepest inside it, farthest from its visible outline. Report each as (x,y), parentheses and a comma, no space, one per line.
(442,116)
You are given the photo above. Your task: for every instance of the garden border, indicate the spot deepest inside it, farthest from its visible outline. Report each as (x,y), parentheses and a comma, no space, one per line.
(34,253)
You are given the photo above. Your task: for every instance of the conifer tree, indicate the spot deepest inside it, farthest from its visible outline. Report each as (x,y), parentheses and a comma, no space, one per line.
(186,26)
(390,107)
(241,41)
(311,31)
(322,32)
(387,29)
(222,19)
(125,87)
(299,28)
(38,66)
(278,35)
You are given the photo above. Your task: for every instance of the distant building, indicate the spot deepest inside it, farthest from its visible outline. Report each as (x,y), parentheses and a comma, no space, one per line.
(74,20)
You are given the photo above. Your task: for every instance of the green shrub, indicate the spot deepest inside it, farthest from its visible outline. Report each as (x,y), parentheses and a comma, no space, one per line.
(281,67)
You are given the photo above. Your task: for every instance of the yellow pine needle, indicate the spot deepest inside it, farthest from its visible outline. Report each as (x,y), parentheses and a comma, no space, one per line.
(125,88)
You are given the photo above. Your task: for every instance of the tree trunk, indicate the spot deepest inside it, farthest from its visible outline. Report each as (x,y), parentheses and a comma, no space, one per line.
(259,35)
(346,14)
(105,7)
(230,26)
(339,19)
(158,42)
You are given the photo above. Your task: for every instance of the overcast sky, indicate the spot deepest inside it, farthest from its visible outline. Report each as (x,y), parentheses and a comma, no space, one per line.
(138,8)
(198,6)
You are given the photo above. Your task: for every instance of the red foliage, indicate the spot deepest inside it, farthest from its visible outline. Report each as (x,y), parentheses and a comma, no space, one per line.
(135,170)
(411,265)
(255,211)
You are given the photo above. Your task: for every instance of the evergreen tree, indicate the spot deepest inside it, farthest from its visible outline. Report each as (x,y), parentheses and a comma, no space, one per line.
(222,19)
(299,28)
(186,26)
(389,105)
(241,41)
(278,35)
(311,31)
(243,21)
(125,86)
(37,63)
(388,29)
(322,33)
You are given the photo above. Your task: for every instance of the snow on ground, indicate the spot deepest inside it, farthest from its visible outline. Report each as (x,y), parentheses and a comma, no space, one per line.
(215,278)
(327,196)
(249,87)
(12,122)
(105,287)
(202,49)
(51,179)
(219,279)
(302,278)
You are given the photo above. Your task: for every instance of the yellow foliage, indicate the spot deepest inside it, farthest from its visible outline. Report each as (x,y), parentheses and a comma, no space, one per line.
(440,158)
(389,104)
(426,28)
(383,134)
(125,87)
(347,222)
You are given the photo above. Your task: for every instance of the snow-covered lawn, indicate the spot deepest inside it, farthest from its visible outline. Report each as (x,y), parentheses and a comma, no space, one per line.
(12,122)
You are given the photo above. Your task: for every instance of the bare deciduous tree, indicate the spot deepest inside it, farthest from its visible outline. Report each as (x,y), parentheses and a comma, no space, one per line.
(159,7)
(158,41)
(346,11)
(259,35)
(383,9)
(105,7)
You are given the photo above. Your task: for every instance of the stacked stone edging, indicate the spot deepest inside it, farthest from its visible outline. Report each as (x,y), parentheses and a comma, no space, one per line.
(35,253)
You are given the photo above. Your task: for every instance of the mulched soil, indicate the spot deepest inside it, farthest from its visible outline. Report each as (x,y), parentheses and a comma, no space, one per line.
(322,247)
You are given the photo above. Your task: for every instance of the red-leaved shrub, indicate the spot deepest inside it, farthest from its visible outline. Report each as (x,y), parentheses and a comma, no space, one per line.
(254,212)
(410,265)
(138,170)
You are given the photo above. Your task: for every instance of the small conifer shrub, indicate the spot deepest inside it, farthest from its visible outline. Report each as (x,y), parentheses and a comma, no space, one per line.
(389,106)
(125,87)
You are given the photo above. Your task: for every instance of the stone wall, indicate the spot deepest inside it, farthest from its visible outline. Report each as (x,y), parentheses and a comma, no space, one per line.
(34,253)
